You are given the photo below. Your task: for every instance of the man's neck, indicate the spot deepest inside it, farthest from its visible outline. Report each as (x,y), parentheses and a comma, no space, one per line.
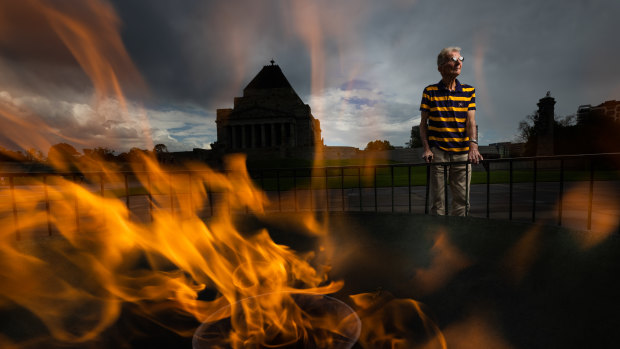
(449,82)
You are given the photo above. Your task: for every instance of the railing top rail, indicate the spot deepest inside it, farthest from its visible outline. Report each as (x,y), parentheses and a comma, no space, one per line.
(323,168)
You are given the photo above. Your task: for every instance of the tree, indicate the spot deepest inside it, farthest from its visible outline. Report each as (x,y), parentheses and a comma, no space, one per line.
(100,153)
(137,154)
(379,145)
(414,140)
(62,152)
(33,154)
(160,148)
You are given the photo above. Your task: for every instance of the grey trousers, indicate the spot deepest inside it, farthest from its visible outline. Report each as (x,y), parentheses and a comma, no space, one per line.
(459,179)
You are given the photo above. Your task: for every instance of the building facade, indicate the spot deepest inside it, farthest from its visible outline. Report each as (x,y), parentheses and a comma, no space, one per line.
(270,118)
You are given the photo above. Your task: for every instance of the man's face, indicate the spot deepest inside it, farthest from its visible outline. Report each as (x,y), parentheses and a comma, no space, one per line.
(451,67)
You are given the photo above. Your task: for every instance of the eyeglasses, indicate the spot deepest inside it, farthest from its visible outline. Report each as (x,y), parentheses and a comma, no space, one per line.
(456,59)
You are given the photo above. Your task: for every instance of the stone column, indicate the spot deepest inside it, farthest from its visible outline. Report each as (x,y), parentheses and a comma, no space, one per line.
(263,142)
(253,136)
(233,137)
(243,143)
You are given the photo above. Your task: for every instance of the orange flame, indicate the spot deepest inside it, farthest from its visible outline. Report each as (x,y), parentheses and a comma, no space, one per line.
(395,323)
(105,254)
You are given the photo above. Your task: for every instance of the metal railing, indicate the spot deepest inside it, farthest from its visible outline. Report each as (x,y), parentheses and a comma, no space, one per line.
(498,188)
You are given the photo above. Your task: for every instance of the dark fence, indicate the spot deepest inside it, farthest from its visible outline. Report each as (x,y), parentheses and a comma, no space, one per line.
(572,190)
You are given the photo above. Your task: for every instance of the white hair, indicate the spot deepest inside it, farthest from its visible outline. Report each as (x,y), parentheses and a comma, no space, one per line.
(445,53)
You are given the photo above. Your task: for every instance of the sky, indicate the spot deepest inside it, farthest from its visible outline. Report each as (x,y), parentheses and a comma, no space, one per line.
(124,74)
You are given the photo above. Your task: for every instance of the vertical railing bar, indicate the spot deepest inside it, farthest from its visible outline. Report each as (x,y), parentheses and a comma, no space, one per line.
(359,186)
(150,195)
(127,194)
(375,185)
(409,185)
(326,191)
(171,193)
(467,184)
(311,190)
(342,187)
(295,190)
(262,180)
(428,176)
(15,217)
(534,191)
(76,204)
(190,192)
(392,174)
(47,206)
(278,188)
(445,188)
(591,194)
(210,198)
(510,192)
(561,193)
(489,190)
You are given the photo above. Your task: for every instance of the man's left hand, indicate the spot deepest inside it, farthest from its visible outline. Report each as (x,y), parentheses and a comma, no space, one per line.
(474,155)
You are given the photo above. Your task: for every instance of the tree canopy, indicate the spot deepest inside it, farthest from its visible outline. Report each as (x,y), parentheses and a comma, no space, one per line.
(379,145)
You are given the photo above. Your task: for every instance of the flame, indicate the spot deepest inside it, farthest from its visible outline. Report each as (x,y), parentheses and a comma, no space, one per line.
(604,222)
(447,261)
(521,257)
(184,256)
(101,255)
(392,323)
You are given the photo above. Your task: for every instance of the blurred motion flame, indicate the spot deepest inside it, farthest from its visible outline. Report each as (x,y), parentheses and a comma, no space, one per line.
(105,256)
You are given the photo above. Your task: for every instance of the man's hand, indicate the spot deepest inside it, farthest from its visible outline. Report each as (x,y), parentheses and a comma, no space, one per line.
(427,155)
(474,155)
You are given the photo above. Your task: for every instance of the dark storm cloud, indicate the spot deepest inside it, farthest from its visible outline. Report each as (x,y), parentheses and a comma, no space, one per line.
(361,65)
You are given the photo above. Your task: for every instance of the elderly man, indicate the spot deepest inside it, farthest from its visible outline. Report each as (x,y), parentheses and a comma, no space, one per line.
(448,132)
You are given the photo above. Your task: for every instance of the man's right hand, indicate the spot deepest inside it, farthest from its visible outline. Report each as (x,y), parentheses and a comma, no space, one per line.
(427,156)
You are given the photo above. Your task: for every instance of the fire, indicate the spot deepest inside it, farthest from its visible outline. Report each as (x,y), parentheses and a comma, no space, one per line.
(183,254)
(102,255)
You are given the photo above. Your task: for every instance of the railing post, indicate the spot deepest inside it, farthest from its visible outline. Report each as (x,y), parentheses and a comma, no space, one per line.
(445,188)
(76,204)
(591,193)
(561,194)
(47,206)
(278,188)
(171,190)
(326,191)
(392,175)
(467,185)
(295,190)
(409,185)
(342,187)
(311,190)
(428,179)
(150,195)
(15,218)
(127,194)
(534,191)
(375,185)
(489,190)
(510,192)
(359,186)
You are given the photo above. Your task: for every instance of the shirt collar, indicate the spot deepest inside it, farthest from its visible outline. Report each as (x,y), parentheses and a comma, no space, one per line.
(458,87)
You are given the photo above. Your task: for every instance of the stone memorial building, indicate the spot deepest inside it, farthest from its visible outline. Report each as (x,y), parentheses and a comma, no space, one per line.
(270,119)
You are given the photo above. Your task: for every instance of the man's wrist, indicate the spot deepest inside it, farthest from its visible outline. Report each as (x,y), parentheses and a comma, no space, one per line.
(473,140)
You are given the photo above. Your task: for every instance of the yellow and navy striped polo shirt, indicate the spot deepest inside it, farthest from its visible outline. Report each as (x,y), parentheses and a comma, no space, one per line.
(448,115)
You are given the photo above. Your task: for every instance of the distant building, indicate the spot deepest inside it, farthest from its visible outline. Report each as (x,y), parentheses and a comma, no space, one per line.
(270,119)
(610,109)
(508,149)
(545,126)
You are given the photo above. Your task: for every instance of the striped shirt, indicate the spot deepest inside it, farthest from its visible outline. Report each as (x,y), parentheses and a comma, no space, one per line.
(448,115)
